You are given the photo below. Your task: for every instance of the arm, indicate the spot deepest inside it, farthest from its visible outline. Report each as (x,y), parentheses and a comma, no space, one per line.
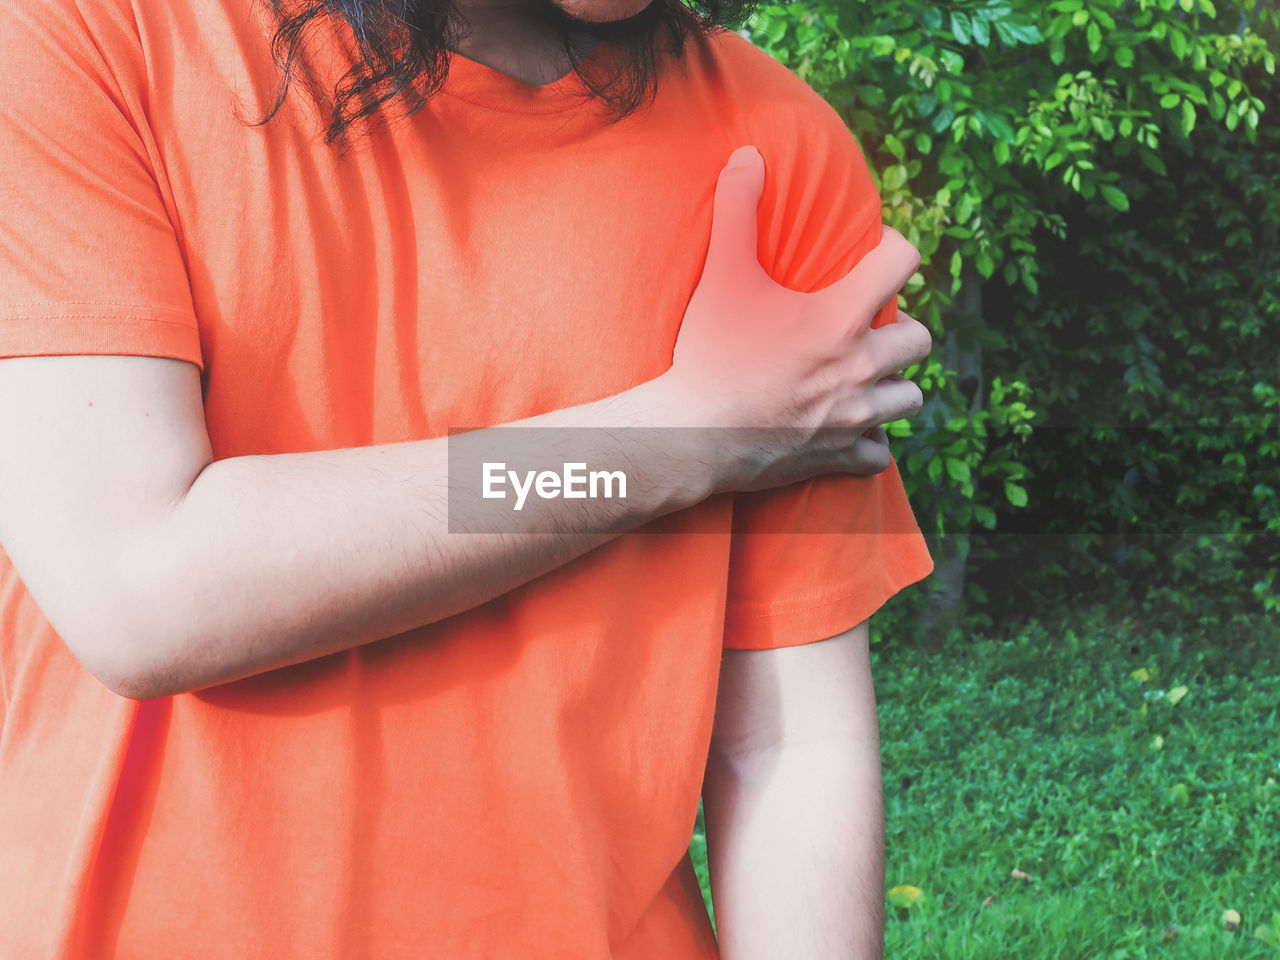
(792,800)
(165,571)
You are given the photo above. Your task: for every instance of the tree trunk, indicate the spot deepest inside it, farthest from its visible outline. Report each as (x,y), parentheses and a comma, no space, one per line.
(944,590)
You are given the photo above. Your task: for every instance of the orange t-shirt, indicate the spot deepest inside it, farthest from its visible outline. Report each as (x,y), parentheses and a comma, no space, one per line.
(519,780)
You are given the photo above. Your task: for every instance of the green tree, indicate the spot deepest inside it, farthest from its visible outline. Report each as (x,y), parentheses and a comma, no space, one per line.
(1091,183)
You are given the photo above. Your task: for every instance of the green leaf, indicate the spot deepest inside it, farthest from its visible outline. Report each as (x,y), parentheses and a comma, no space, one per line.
(981,32)
(1026,30)
(1170,100)
(1153,161)
(986,266)
(958,470)
(953,62)
(985,516)
(895,177)
(924,144)
(1114,196)
(944,117)
(1057,50)
(1016,495)
(961,28)
(1000,127)
(775,29)
(1124,56)
(1094,36)
(1188,118)
(905,897)
(1006,34)
(1014,32)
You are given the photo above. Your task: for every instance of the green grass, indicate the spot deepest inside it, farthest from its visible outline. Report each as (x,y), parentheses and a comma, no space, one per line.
(1138,815)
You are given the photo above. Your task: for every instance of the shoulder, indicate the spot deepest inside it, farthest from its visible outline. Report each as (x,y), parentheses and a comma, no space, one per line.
(754,69)
(821,208)
(760,88)
(761,101)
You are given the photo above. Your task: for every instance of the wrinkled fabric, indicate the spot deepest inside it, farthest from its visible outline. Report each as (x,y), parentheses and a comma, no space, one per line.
(517,781)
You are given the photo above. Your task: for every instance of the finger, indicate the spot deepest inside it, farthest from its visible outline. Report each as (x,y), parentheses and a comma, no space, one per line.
(896,399)
(870,455)
(876,279)
(896,346)
(734,231)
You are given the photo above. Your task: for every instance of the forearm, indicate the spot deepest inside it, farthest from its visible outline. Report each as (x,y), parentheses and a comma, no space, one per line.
(272,560)
(795,844)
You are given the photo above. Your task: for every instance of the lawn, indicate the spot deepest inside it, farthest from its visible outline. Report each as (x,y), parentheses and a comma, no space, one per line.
(1130,778)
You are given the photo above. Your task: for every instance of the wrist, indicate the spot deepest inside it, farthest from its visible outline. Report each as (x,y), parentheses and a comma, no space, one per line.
(688,450)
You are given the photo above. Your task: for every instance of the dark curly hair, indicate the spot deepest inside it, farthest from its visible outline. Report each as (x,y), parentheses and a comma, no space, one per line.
(403,50)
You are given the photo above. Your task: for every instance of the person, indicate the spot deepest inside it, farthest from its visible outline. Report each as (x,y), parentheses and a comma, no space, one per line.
(259,698)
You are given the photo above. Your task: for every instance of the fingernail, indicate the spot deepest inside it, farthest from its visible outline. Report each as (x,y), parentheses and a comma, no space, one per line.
(744,157)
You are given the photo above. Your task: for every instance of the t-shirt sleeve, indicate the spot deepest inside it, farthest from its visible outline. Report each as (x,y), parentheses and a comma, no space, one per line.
(90,262)
(811,561)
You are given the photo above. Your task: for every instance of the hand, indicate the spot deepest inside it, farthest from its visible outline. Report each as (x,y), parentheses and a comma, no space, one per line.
(805,372)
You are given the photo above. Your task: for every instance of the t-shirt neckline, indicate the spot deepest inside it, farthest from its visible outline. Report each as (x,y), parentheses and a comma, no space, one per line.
(486,86)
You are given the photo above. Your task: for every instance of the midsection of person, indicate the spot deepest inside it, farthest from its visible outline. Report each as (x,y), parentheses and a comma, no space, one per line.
(524,774)
(516,780)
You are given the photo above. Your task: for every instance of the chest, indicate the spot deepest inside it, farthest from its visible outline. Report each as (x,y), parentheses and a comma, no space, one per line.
(460,270)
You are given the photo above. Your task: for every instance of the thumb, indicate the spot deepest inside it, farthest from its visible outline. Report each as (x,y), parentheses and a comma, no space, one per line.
(733,217)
